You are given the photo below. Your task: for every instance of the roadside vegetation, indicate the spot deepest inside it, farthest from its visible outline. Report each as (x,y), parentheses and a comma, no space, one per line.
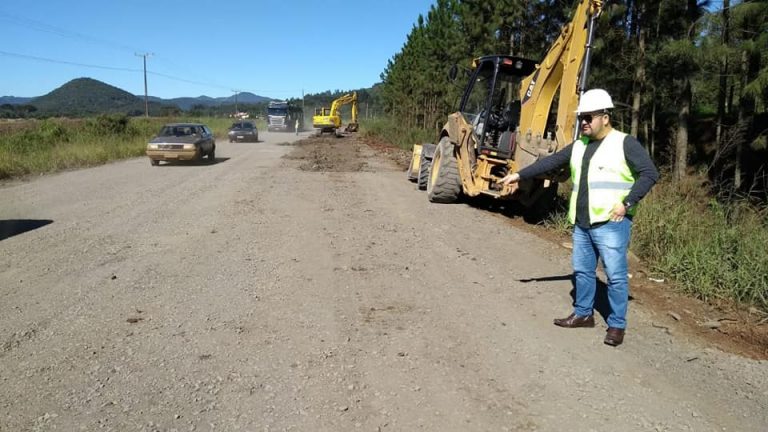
(387,129)
(41,146)
(711,247)
(714,247)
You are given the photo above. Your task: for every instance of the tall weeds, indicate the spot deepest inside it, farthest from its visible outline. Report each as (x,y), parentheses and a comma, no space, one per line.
(392,132)
(711,249)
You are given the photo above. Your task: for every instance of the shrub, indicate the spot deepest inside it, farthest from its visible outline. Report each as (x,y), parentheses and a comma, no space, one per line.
(108,124)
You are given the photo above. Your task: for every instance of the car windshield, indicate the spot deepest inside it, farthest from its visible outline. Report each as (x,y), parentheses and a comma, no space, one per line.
(277,111)
(177,131)
(242,126)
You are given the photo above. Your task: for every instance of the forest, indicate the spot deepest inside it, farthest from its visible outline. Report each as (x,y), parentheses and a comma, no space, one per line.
(689,78)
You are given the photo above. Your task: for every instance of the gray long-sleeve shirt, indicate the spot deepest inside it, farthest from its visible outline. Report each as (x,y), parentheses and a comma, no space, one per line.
(637,158)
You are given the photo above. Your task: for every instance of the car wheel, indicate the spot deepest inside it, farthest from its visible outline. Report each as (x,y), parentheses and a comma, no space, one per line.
(154,162)
(212,155)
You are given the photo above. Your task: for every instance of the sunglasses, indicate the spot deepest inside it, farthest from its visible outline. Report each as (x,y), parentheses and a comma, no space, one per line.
(588,117)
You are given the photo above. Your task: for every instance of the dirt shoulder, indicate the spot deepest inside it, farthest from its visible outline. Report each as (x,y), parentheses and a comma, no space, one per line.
(730,327)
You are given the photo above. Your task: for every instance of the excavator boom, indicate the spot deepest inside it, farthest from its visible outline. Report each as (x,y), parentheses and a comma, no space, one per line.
(329,120)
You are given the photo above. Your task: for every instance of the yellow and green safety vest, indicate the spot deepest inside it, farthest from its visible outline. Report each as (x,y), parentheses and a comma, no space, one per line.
(609,177)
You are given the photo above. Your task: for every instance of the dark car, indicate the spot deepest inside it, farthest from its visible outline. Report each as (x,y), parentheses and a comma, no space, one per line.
(182,142)
(243,131)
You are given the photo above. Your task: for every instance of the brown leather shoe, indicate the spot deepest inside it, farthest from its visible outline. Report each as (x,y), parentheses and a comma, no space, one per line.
(614,336)
(574,321)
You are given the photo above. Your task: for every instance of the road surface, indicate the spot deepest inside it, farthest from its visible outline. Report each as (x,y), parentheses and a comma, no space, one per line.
(312,288)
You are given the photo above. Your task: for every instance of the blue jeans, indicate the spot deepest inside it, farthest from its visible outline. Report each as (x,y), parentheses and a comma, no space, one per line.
(610,242)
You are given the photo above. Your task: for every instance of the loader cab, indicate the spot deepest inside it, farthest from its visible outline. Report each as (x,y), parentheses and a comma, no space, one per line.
(489,103)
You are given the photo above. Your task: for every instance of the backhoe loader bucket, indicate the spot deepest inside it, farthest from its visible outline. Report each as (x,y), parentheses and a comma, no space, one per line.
(413,168)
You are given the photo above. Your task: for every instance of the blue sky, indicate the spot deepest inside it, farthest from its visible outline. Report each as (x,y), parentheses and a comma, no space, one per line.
(273,48)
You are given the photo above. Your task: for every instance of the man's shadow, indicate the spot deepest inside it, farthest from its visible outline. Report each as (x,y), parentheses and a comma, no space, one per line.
(602,305)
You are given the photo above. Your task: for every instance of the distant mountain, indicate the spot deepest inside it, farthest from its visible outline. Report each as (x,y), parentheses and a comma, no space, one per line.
(13,100)
(245,97)
(84,96)
(186,103)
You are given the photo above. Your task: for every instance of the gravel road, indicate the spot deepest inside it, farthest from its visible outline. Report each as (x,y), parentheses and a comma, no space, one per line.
(308,286)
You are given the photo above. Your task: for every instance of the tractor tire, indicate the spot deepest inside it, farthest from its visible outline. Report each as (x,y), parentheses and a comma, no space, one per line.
(444,183)
(423,176)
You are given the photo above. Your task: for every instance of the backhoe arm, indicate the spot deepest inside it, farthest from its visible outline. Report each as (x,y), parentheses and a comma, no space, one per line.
(560,69)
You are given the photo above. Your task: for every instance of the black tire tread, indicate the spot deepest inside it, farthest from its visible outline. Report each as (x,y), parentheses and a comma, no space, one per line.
(447,187)
(423,176)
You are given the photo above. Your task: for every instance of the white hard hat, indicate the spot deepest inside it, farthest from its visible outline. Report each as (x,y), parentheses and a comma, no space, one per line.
(594,100)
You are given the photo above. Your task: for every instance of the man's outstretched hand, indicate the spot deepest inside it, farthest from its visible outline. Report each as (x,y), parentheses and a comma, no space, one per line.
(510,179)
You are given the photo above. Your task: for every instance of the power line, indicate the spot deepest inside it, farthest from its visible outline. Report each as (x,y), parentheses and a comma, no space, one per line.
(36,25)
(31,24)
(43,59)
(149,72)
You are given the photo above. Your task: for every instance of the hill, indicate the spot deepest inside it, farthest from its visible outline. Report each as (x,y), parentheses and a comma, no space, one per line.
(245,97)
(84,96)
(14,100)
(186,103)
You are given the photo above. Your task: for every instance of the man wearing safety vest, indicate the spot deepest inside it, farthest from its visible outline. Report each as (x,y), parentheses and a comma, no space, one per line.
(611,172)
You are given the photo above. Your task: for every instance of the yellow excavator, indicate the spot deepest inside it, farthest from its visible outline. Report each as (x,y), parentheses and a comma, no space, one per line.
(504,122)
(329,119)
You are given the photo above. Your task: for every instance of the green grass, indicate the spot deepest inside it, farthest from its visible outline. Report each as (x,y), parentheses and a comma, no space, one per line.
(712,250)
(35,147)
(51,145)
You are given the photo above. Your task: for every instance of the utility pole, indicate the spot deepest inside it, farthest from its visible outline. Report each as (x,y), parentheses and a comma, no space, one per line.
(146,98)
(236,110)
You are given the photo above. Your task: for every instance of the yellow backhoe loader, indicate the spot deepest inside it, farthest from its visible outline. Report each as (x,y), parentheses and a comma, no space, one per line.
(504,123)
(329,119)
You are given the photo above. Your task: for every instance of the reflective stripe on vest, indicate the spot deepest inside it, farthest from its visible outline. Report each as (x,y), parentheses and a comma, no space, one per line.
(610,178)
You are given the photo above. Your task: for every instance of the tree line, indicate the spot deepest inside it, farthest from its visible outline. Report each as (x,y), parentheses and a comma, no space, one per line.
(689,78)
